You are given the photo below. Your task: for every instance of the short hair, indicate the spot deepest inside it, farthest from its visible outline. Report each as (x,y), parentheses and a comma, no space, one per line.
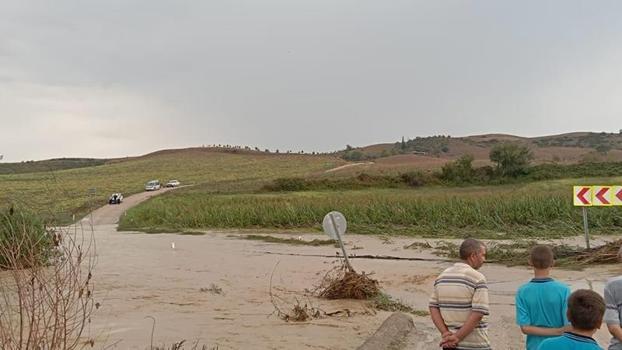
(469,247)
(541,256)
(585,309)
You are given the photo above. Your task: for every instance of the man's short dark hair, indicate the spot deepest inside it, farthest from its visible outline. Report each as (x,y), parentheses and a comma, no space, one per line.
(542,256)
(469,247)
(585,309)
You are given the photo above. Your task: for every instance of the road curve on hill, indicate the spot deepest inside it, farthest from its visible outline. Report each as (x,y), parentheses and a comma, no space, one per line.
(110,213)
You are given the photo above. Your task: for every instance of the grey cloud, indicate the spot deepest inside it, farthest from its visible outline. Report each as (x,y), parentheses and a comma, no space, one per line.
(310,75)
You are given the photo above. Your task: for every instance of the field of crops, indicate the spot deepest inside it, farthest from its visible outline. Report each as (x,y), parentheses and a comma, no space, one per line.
(62,194)
(521,210)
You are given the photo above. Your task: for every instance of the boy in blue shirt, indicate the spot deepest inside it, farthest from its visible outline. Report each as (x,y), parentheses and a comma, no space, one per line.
(541,304)
(585,312)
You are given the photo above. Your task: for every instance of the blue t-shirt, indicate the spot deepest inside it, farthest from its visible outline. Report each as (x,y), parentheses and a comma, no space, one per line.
(570,341)
(542,302)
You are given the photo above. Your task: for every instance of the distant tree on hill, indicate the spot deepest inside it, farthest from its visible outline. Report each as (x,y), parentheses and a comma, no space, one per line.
(354,155)
(603,148)
(460,170)
(511,159)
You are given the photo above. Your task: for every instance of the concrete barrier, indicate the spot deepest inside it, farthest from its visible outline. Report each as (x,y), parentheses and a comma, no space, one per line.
(391,333)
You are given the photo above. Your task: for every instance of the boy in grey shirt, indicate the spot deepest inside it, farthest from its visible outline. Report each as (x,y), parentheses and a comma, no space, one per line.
(613,313)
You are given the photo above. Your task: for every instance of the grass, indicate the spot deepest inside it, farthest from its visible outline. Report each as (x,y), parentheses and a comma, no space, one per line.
(516,253)
(64,193)
(48,165)
(292,241)
(383,301)
(509,211)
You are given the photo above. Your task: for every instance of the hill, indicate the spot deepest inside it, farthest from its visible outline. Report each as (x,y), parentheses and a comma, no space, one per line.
(48,165)
(63,193)
(429,153)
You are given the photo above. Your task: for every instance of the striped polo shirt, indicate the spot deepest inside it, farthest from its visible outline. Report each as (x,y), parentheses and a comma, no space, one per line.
(459,290)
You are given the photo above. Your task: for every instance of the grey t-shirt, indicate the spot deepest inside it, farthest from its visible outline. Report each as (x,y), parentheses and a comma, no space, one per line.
(613,313)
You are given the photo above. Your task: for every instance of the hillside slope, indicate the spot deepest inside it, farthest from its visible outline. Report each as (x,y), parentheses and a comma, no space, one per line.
(63,193)
(430,153)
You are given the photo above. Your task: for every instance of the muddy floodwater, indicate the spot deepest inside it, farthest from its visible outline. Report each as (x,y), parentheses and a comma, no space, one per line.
(214,289)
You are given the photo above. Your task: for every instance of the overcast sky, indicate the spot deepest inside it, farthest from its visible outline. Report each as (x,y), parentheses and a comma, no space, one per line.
(118,77)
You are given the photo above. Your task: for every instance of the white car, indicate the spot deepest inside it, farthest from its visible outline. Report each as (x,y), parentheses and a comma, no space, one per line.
(115,198)
(172,183)
(152,185)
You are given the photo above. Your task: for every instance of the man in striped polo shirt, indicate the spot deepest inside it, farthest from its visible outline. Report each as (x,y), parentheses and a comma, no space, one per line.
(459,303)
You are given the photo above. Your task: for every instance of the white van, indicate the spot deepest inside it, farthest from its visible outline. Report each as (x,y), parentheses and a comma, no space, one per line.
(152,185)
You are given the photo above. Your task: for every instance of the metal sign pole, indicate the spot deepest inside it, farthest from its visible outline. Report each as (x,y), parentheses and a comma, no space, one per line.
(343,249)
(585,228)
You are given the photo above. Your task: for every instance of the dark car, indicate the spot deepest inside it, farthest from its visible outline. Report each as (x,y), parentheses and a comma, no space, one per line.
(116,198)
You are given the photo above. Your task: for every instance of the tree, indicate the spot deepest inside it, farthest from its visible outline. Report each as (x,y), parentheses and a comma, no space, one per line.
(511,159)
(403,145)
(354,155)
(460,170)
(603,148)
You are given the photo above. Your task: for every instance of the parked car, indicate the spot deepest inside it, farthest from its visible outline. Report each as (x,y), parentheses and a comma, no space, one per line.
(152,185)
(172,183)
(115,198)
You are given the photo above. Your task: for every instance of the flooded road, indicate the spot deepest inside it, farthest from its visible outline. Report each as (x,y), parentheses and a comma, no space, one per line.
(214,289)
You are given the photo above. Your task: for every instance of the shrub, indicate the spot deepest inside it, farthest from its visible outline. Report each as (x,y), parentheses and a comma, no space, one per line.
(460,170)
(46,292)
(24,240)
(512,159)
(287,184)
(413,178)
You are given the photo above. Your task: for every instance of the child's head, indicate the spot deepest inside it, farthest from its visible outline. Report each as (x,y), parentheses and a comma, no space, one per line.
(541,257)
(586,309)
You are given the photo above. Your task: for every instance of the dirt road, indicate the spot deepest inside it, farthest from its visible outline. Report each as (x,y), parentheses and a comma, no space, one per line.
(141,275)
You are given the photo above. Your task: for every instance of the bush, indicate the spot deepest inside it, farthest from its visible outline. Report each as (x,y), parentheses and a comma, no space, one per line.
(287,184)
(354,155)
(459,171)
(413,178)
(512,159)
(46,292)
(24,240)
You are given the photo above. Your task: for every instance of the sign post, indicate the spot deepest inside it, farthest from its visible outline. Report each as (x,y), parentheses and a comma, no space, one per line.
(335,225)
(582,197)
(595,196)
(586,229)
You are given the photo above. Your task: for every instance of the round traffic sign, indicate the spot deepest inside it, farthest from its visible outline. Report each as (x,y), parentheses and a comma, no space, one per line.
(333,223)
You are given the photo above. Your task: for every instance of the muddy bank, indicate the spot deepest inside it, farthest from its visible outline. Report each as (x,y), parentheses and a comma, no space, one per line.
(140,275)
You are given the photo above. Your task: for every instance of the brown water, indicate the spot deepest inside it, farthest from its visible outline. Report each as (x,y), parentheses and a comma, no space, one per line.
(139,276)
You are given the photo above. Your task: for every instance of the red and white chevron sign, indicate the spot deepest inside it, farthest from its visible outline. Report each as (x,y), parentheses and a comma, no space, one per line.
(597,195)
(616,195)
(602,196)
(582,196)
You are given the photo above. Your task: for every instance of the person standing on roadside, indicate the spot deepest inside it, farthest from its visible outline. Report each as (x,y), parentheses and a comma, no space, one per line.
(459,304)
(585,313)
(541,303)
(613,312)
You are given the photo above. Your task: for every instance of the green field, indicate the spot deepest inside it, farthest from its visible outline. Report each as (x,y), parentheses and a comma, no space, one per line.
(64,193)
(506,211)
